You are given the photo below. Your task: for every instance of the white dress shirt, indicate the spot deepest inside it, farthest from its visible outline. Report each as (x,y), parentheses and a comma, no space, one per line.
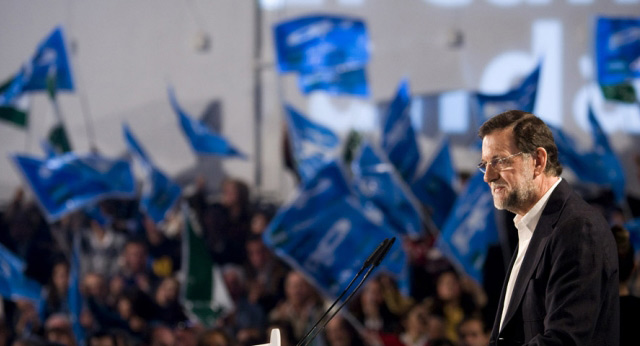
(525,225)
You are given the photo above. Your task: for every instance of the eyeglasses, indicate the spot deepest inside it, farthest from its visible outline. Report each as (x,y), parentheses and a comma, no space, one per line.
(496,163)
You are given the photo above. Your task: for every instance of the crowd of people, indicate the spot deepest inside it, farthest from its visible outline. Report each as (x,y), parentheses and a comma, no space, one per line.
(131,277)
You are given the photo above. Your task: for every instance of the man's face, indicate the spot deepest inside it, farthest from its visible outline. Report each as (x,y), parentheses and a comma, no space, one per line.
(511,182)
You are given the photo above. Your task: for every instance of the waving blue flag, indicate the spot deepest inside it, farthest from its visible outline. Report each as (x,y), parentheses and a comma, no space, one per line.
(13,283)
(617,49)
(522,97)
(313,145)
(159,193)
(376,180)
(470,228)
(435,187)
(68,182)
(201,138)
(325,233)
(398,138)
(312,42)
(134,147)
(343,80)
(599,165)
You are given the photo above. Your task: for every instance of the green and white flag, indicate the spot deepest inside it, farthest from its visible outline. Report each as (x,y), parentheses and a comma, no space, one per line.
(57,135)
(15,108)
(205,295)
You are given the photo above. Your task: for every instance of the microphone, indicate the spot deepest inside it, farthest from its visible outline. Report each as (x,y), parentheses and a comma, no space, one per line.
(371,262)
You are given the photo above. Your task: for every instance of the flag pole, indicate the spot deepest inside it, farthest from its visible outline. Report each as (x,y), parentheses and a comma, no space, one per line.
(257,95)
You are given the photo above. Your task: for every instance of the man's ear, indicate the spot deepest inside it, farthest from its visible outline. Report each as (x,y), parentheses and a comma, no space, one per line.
(540,161)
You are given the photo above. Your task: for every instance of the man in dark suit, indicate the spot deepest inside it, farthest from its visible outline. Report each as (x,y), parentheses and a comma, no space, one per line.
(561,287)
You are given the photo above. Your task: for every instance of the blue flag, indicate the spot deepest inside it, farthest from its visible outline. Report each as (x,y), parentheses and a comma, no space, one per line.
(312,42)
(202,139)
(605,160)
(13,283)
(522,98)
(68,182)
(398,138)
(74,297)
(435,187)
(617,50)
(599,166)
(325,233)
(335,80)
(313,145)
(135,148)
(159,195)
(50,59)
(470,228)
(376,180)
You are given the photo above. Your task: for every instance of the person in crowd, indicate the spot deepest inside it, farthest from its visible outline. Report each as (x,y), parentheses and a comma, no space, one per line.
(301,306)
(265,274)
(227,223)
(58,329)
(57,290)
(419,328)
(102,338)
(629,305)
(215,337)
(247,320)
(164,252)
(339,332)
(562,283)
(162,335)
(260,220)
(170,311)
(372,311)
(134,269)
(188,332)
(100,247)
(451,302)
(472,332)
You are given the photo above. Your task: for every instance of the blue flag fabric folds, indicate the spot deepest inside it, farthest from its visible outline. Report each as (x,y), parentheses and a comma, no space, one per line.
(335,80)
(599,166)
(201,138)
(50,58)
(470,228)
(617,49)
(312,144)
(312,42)
(522,97)
(435,188)
(398,138)
(159,193)
(376,180)
(135,148)
(325,233)
(13,283)
(68,182)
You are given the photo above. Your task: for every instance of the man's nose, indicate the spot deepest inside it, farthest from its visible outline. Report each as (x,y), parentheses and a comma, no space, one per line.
(490,174)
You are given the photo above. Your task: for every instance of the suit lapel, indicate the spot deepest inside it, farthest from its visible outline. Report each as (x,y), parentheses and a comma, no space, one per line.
(545,227)
(496,322)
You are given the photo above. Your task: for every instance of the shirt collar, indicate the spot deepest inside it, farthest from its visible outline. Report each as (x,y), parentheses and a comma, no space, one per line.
(530,220)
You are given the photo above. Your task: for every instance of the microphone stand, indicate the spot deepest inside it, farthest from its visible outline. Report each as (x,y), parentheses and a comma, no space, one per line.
(372,262)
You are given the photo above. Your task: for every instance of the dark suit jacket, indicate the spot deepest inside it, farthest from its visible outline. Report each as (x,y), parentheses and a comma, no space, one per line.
(566,292)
